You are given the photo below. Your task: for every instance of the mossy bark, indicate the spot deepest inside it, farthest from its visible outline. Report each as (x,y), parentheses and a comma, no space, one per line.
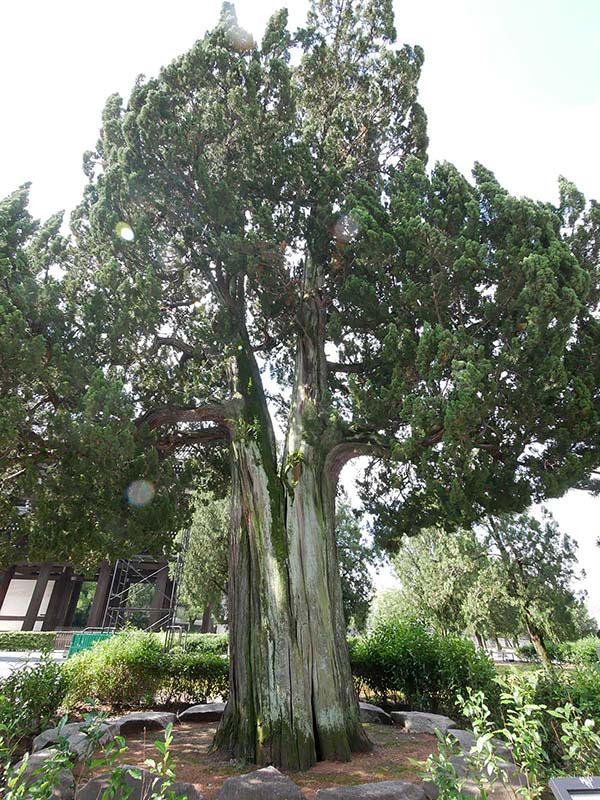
(291,699)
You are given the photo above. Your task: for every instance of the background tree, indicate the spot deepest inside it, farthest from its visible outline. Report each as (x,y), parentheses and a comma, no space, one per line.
(205,573)
(69,449)
(356,558)
(537,566)
(248,213)
(513,578)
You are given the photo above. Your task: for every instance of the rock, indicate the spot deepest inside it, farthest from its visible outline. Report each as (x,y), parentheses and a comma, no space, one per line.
(369,713)
(420,722)
(205,712)
(497,791)
(382,790)
(144,720)
(466,740)
(264,784)
(140,789)
(64,788)
(106,732)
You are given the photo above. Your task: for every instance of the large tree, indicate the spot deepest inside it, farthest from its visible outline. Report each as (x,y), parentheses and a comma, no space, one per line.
(514,576)
(261,231)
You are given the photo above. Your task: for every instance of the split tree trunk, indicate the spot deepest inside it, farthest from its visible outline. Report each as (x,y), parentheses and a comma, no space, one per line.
(291,696)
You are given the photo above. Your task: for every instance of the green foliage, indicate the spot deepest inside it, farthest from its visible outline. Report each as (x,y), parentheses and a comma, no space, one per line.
(511,578)
(545,741)
(205,572)
(209,643)
(194,677)
(123,670)
(581,651)
(27,640)
(131,669)
(29,700)
(407,662)
(355,557)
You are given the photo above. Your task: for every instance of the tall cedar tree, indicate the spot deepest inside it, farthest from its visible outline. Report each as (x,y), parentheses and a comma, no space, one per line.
(257,228)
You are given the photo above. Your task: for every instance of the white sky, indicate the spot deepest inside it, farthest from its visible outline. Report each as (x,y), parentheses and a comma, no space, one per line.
(514,84)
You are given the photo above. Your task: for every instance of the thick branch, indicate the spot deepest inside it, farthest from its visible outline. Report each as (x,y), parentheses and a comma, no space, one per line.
(358,367)
(220,413)
(345,451)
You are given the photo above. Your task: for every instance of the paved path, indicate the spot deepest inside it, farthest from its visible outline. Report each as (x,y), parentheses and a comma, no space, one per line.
(10,661)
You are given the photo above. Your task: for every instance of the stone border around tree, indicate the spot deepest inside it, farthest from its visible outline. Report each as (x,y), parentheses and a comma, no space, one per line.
(266,783)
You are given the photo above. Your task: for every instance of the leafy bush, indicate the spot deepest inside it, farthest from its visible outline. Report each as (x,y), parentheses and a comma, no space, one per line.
(124,670)
(580,686)
(194,677)
(207,643)
(131,669)
(29,701)
(555,652)
(582,651)
(19,641)
(405,662)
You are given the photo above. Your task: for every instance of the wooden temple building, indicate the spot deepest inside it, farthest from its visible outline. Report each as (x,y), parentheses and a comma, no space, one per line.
(45,596)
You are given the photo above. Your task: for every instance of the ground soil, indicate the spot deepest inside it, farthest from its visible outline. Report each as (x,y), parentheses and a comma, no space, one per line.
(397,755)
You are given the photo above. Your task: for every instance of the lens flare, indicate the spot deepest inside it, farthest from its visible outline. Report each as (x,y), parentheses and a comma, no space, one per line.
(125,231)
(140,493)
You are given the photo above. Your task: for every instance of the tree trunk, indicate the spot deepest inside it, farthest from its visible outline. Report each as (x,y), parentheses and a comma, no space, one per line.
(537,640)
(291,696)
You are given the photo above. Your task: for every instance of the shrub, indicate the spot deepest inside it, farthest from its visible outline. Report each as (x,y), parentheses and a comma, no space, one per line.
(29,701)
(194,677)
(207,643)
(580,686)
(27,640)
(131,669)
(405,662)
(582,651)
(121,671)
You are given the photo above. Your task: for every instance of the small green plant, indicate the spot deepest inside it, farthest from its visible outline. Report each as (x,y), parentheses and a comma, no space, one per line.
(580,741)
(29,701)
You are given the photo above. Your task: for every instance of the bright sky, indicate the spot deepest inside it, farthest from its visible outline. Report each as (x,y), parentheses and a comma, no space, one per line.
(514,84)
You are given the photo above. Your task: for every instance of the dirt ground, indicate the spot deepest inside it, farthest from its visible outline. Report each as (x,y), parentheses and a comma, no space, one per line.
(397,755)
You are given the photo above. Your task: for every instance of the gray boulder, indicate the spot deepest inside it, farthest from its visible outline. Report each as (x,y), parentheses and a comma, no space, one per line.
(497,791)
(369,713)
(420,722)
(144,720)
(139,789)
(205,712)
(382,790)
(466,740)
(105,732)
(264,784)
(64,788)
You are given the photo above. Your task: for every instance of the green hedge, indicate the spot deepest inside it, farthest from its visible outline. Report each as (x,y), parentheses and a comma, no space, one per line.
(582,651)
(406,663)
(27,640)
(207,643)
(131,669)
(403,663)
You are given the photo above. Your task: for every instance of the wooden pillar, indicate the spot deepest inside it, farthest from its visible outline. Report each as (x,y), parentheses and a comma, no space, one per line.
(33,610)
(57,607)
(76,585)
(100,600)
(5,580)
(158,598)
